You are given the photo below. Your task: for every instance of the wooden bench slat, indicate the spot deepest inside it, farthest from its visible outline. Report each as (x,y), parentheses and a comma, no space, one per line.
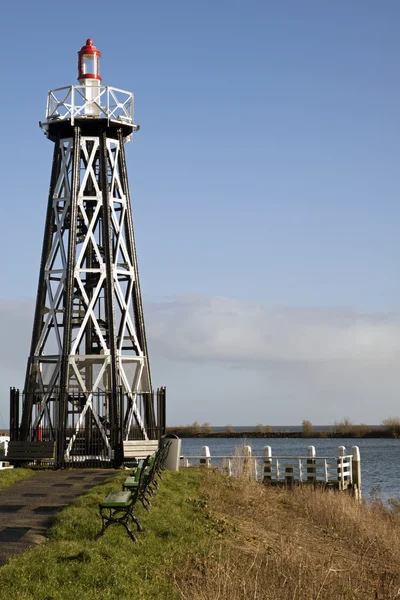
(139,442)
(29,456)
(139,448)
(24,444)
(131,482)
(132,447)
(21,450)
(116,500)
(31,444)
(26,450)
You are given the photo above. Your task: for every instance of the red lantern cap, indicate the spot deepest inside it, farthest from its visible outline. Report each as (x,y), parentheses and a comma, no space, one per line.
(90,49)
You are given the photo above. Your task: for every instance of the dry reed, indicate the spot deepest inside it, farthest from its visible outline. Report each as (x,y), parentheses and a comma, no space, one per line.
(300,544)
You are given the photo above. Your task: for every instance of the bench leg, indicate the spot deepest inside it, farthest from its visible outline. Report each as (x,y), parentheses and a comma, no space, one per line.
(104,525)
(137,523)
(145,502)
(107,521)
(130,533)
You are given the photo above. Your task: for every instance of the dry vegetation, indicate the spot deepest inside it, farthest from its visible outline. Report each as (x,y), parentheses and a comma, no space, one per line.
(275,544)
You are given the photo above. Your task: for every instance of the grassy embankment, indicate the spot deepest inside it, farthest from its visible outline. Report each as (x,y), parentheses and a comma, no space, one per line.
(10,476)
(212,538)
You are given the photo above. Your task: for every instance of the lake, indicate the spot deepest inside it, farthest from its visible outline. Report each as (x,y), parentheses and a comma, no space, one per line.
(379,457)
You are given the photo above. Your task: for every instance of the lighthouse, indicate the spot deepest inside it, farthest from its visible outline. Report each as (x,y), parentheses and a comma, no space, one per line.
(88,384)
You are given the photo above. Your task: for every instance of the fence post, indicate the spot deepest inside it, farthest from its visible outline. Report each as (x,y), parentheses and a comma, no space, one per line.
(255,469)
(205,452)
(356,470)
(247,461)
(326,474)
(13,424)
(246,454)
(267,464)
(341,453)
(311,470)
(289,476)
(163,413)
(17,419)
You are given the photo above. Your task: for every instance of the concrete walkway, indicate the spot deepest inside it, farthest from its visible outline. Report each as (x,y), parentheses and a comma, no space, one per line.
(28,506)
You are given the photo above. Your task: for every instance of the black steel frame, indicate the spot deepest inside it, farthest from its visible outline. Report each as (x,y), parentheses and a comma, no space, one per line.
(118,402)
(90,442)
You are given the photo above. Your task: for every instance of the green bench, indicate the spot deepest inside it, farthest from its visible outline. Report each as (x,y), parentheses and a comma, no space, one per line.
(133,480)
(117,507)
(147,473)
(139,481)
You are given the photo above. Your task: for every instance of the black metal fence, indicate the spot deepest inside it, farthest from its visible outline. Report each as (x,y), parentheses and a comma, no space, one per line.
(87,429)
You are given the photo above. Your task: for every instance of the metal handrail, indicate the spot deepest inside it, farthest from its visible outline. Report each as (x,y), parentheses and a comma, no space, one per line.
(317,468)
(79,101)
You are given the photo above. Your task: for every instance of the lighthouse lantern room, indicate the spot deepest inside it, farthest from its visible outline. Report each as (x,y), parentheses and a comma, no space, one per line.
(88,63)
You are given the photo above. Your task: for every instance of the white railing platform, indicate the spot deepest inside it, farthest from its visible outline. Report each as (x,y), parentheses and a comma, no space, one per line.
(81,102)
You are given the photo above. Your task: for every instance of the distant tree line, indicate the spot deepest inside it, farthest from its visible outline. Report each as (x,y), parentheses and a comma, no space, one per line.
(389,427)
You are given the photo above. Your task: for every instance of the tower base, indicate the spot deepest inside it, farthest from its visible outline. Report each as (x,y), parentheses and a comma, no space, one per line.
(83,439)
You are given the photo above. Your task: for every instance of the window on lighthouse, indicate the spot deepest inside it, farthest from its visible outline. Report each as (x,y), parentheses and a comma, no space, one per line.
(89,64)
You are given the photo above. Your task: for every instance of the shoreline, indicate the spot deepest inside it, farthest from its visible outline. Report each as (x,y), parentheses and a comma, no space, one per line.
(181,433)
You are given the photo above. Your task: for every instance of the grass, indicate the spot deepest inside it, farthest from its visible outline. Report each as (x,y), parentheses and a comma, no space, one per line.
(10,476)
(214,538)
(72,565)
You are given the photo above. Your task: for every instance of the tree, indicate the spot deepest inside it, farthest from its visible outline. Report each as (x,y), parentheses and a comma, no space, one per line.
(260,428)
(392,425)
(195,427)
(307,428)
(206,428)
(343,427)
(229,429)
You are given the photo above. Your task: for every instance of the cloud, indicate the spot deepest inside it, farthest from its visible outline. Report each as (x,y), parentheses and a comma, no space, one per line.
(246,363)
(229,331)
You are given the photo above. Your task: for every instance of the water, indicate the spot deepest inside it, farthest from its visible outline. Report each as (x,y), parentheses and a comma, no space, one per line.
(378,456)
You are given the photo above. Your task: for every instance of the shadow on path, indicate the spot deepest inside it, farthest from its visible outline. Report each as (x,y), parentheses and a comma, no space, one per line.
(28,506)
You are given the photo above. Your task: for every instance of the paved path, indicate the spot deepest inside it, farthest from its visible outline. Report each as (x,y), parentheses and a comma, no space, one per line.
(28,506)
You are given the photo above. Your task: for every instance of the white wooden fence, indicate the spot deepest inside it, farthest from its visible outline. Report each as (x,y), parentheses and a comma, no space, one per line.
(342,471)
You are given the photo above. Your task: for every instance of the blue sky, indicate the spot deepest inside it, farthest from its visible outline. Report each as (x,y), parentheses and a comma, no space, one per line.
(265,195)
